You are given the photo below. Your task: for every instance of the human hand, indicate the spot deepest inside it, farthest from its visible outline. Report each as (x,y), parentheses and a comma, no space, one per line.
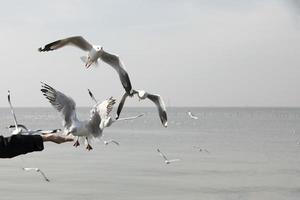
(58,139)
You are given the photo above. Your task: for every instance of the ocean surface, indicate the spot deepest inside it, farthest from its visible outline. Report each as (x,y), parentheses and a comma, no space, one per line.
(253,154)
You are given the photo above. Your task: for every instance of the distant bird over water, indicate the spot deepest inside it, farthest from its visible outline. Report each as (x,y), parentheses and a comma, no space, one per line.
(191,115)
(155,98)
(201,149)
(167,161)
(106,142)
(37,170)
(94,53)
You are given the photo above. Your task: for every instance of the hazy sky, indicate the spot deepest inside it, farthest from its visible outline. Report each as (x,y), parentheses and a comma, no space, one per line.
(193,53)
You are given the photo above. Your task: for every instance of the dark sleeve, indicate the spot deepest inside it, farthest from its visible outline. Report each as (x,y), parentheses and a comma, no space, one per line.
(20,144)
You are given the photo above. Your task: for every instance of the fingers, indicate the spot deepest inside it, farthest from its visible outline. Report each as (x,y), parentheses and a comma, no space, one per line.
(56,138)
(68,139)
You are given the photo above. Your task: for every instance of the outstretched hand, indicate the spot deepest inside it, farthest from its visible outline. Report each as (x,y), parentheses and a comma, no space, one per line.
(58,139)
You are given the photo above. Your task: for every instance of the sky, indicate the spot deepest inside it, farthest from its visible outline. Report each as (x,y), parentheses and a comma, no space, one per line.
(192,53)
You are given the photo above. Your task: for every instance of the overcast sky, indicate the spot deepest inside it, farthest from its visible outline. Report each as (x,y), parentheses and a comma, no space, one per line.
(193,53)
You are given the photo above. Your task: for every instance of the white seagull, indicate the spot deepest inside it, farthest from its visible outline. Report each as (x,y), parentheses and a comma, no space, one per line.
(191,115)
(22,129)
(37,170)
(167,161)
(26,131)
(88,129)
(109,121)
(106,142)
(94,53)
(155,98)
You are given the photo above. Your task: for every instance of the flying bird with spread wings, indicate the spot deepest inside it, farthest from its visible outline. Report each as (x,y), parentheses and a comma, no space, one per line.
(88,129)
(94,53)
(155,98)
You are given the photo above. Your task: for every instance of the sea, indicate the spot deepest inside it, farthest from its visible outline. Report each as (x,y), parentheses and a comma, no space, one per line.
(252,154)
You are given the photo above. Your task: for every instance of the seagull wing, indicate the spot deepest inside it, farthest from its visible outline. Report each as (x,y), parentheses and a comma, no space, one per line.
(92,96)
(30,168)
(12,110)
(174,160)
(121,104)
(113,141)
(162,155)
(65,105)
(19,125)
(106,107)
(77,41)
(50,131)
(116,63)
(192,116)
(161,108)
(44,176)
(130,118)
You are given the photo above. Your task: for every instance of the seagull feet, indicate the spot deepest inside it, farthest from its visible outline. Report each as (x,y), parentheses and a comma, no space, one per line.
(89,147)
(76,144)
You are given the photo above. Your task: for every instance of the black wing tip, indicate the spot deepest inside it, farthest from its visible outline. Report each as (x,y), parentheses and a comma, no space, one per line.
(90,93)
(44,90)
(45,48)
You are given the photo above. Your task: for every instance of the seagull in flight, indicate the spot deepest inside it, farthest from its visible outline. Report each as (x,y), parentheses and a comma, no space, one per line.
(109,121)
(191,115)
(37,170)
(94,53)
(22,129)
(88,129)
(106,142)
(27,131)
(155,98)
(201,149)
(167,161)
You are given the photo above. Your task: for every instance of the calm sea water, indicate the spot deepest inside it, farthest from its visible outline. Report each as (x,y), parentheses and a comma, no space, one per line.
(253,154)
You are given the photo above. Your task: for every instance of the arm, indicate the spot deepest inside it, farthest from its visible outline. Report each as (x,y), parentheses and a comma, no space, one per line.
(22,144)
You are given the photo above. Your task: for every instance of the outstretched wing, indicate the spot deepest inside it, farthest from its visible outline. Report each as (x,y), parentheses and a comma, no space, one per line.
(162,155)
(106,107)
(112,141)
(116,63)
(130,118)
(77,41)
(63,104)
(44,175)
(12,110)
(174,160)
(121,104)
(92,95)
(19,125)
(161,108)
